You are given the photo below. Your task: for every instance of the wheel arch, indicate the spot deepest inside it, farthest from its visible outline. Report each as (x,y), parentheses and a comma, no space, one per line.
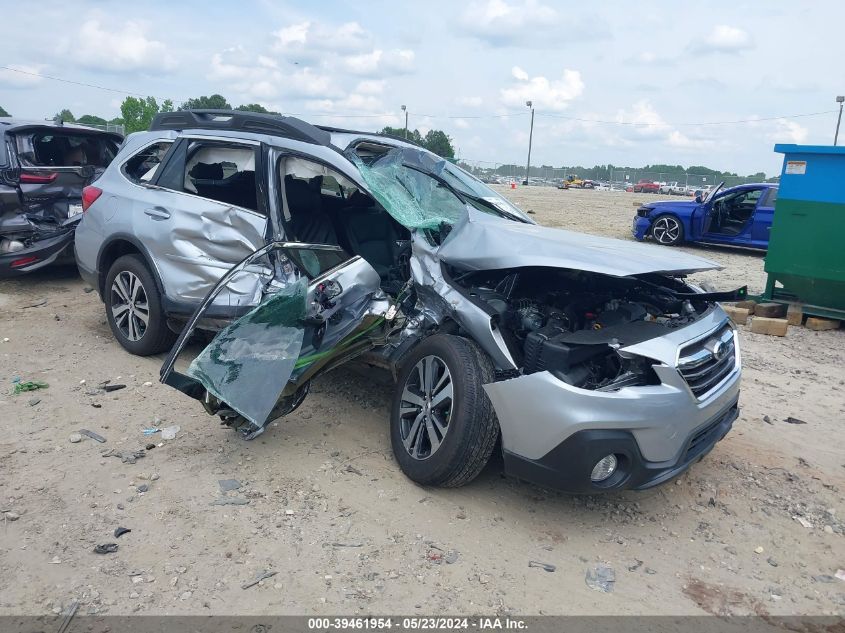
(117,246)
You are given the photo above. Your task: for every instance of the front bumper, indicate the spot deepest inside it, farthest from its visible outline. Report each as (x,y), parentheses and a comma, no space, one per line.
(568,466)
(640,227)
(41,253)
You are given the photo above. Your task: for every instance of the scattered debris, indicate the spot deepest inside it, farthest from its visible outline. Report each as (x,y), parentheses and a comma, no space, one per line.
(142,488)
(230,501)
(34,401)
(544,566)
(11,516)
(347,545)
(150,446)
(759,549)
(351,469)
(87,289)
(96,405)
(767,420)
(772,561)
(791,420)
(169,432)
(94,436)
(75,438)
(106,548)
(824,578)
(637,564)
(804,522)
(451,557)
(840,574)
(263,575)
(150,431)
(228,484)
(601,578)
(69,613)
(120,531)
(109,388)
(36,304)
(29,385)
(127,457)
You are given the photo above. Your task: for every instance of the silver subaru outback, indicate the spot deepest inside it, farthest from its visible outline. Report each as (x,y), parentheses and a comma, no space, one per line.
(593,360)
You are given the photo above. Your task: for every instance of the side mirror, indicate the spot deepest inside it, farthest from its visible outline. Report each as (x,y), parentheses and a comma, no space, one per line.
(698,198)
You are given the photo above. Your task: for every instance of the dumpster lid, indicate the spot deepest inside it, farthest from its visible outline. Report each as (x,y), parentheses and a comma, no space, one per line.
(792,148)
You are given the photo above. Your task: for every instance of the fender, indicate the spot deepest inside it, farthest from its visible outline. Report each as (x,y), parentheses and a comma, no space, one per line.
(150,261)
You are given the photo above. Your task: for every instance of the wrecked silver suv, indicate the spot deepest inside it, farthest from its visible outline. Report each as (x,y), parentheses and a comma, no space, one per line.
(592,359)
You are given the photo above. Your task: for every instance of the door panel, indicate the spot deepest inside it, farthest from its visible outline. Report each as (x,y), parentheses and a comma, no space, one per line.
(317,311)
(763,216)
(194,241)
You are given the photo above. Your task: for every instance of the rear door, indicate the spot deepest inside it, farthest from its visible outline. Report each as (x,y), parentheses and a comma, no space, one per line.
(320,308)
(202,214)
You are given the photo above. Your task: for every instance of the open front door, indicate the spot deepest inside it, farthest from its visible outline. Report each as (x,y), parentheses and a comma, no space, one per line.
(320,309)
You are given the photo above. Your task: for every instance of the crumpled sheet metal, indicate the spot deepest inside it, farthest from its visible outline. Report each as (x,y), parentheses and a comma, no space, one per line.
(485,242)
(200,254)
(413,198)
(248,363)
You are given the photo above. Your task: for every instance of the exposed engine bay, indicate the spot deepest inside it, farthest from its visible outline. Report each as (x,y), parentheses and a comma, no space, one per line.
(573,323)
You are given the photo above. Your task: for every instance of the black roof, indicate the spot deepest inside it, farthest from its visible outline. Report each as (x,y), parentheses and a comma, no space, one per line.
(237,120)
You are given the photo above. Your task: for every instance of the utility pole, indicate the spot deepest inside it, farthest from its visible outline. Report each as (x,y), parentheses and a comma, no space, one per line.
(530,138)
(839,100)
(405,110)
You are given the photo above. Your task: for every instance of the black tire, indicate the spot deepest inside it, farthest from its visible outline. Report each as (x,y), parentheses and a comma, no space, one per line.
(472,427)
(667,230)
(155,337)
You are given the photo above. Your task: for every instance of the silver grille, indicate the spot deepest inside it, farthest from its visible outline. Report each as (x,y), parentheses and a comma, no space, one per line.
(705,363)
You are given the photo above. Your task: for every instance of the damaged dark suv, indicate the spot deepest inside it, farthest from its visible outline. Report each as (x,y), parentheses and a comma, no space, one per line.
(594,361)
(44,167)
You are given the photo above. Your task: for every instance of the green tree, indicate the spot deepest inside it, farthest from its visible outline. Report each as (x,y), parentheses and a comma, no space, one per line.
(91,119)
(414,136)
(438,141)
(255,107)
(66,116)
(3,112)
(213,102)
(138,113)
(166,106)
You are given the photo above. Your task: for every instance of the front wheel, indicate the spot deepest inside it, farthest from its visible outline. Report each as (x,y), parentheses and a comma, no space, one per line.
(133,308)
(667,230)
(442,424)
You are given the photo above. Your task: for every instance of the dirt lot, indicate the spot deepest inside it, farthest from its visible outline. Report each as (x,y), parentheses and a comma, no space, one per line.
(757,527)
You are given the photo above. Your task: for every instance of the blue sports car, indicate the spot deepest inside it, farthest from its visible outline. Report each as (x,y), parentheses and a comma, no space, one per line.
(739,216)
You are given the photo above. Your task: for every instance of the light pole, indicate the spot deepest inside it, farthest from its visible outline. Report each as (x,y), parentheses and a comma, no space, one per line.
(839,100)
(530,138)
(405,110)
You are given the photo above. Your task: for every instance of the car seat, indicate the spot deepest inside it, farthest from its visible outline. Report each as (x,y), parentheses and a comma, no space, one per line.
(371,234)
(308,220)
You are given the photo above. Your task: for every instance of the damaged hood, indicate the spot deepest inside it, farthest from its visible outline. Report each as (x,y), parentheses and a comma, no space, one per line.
(483,242)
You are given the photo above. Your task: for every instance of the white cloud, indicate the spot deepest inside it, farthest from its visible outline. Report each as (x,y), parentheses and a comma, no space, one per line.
(724,38)
(261,78)
(502,24)
(789,131)
(461,123)
(377,63)
(115,47)
(370,86)
(305,39)
(23,78)
(545,94)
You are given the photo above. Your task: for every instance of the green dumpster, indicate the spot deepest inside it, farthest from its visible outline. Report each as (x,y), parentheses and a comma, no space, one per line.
(806,258)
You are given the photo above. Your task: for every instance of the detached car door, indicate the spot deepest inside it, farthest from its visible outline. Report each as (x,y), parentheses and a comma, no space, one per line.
(201,215)
(763,215)
(320,308)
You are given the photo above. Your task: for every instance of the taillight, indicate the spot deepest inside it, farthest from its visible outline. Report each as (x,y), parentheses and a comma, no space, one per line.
(23,261)
(89,196)
(38,178)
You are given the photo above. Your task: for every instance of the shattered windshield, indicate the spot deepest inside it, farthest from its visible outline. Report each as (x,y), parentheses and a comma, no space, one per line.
(413,197)
(470,186)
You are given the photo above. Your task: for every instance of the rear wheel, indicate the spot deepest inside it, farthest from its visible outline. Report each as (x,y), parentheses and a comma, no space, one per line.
(442,425)
(667,230)
(133,308)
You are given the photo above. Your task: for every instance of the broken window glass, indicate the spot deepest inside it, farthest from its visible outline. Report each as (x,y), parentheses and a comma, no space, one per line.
(414,198)
(249,362)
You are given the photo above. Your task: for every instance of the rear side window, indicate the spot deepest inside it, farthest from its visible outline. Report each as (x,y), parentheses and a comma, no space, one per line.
(225,173)
(142,167)
(52,148)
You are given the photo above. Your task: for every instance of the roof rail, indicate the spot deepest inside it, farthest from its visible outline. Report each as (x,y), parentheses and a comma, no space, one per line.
(237,120)
(341,130)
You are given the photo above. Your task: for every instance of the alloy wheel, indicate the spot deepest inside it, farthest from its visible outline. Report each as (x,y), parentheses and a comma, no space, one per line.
(666,230)
(130,307)
(426,407)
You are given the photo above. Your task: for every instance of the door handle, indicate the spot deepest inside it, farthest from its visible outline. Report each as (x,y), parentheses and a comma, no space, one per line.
(157,213)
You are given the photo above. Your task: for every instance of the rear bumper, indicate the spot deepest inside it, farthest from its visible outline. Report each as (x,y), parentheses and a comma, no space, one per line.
(40,254)
(568,466)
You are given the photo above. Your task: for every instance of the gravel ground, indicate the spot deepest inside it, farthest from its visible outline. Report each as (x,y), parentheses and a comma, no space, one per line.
(756,527)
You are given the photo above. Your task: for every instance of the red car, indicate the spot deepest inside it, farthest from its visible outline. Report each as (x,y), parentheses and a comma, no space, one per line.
(646,186)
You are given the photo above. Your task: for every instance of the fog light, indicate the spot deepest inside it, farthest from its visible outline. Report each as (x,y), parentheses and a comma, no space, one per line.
(604,468)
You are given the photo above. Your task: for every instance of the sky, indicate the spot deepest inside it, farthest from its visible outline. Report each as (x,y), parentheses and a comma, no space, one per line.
(611,82)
